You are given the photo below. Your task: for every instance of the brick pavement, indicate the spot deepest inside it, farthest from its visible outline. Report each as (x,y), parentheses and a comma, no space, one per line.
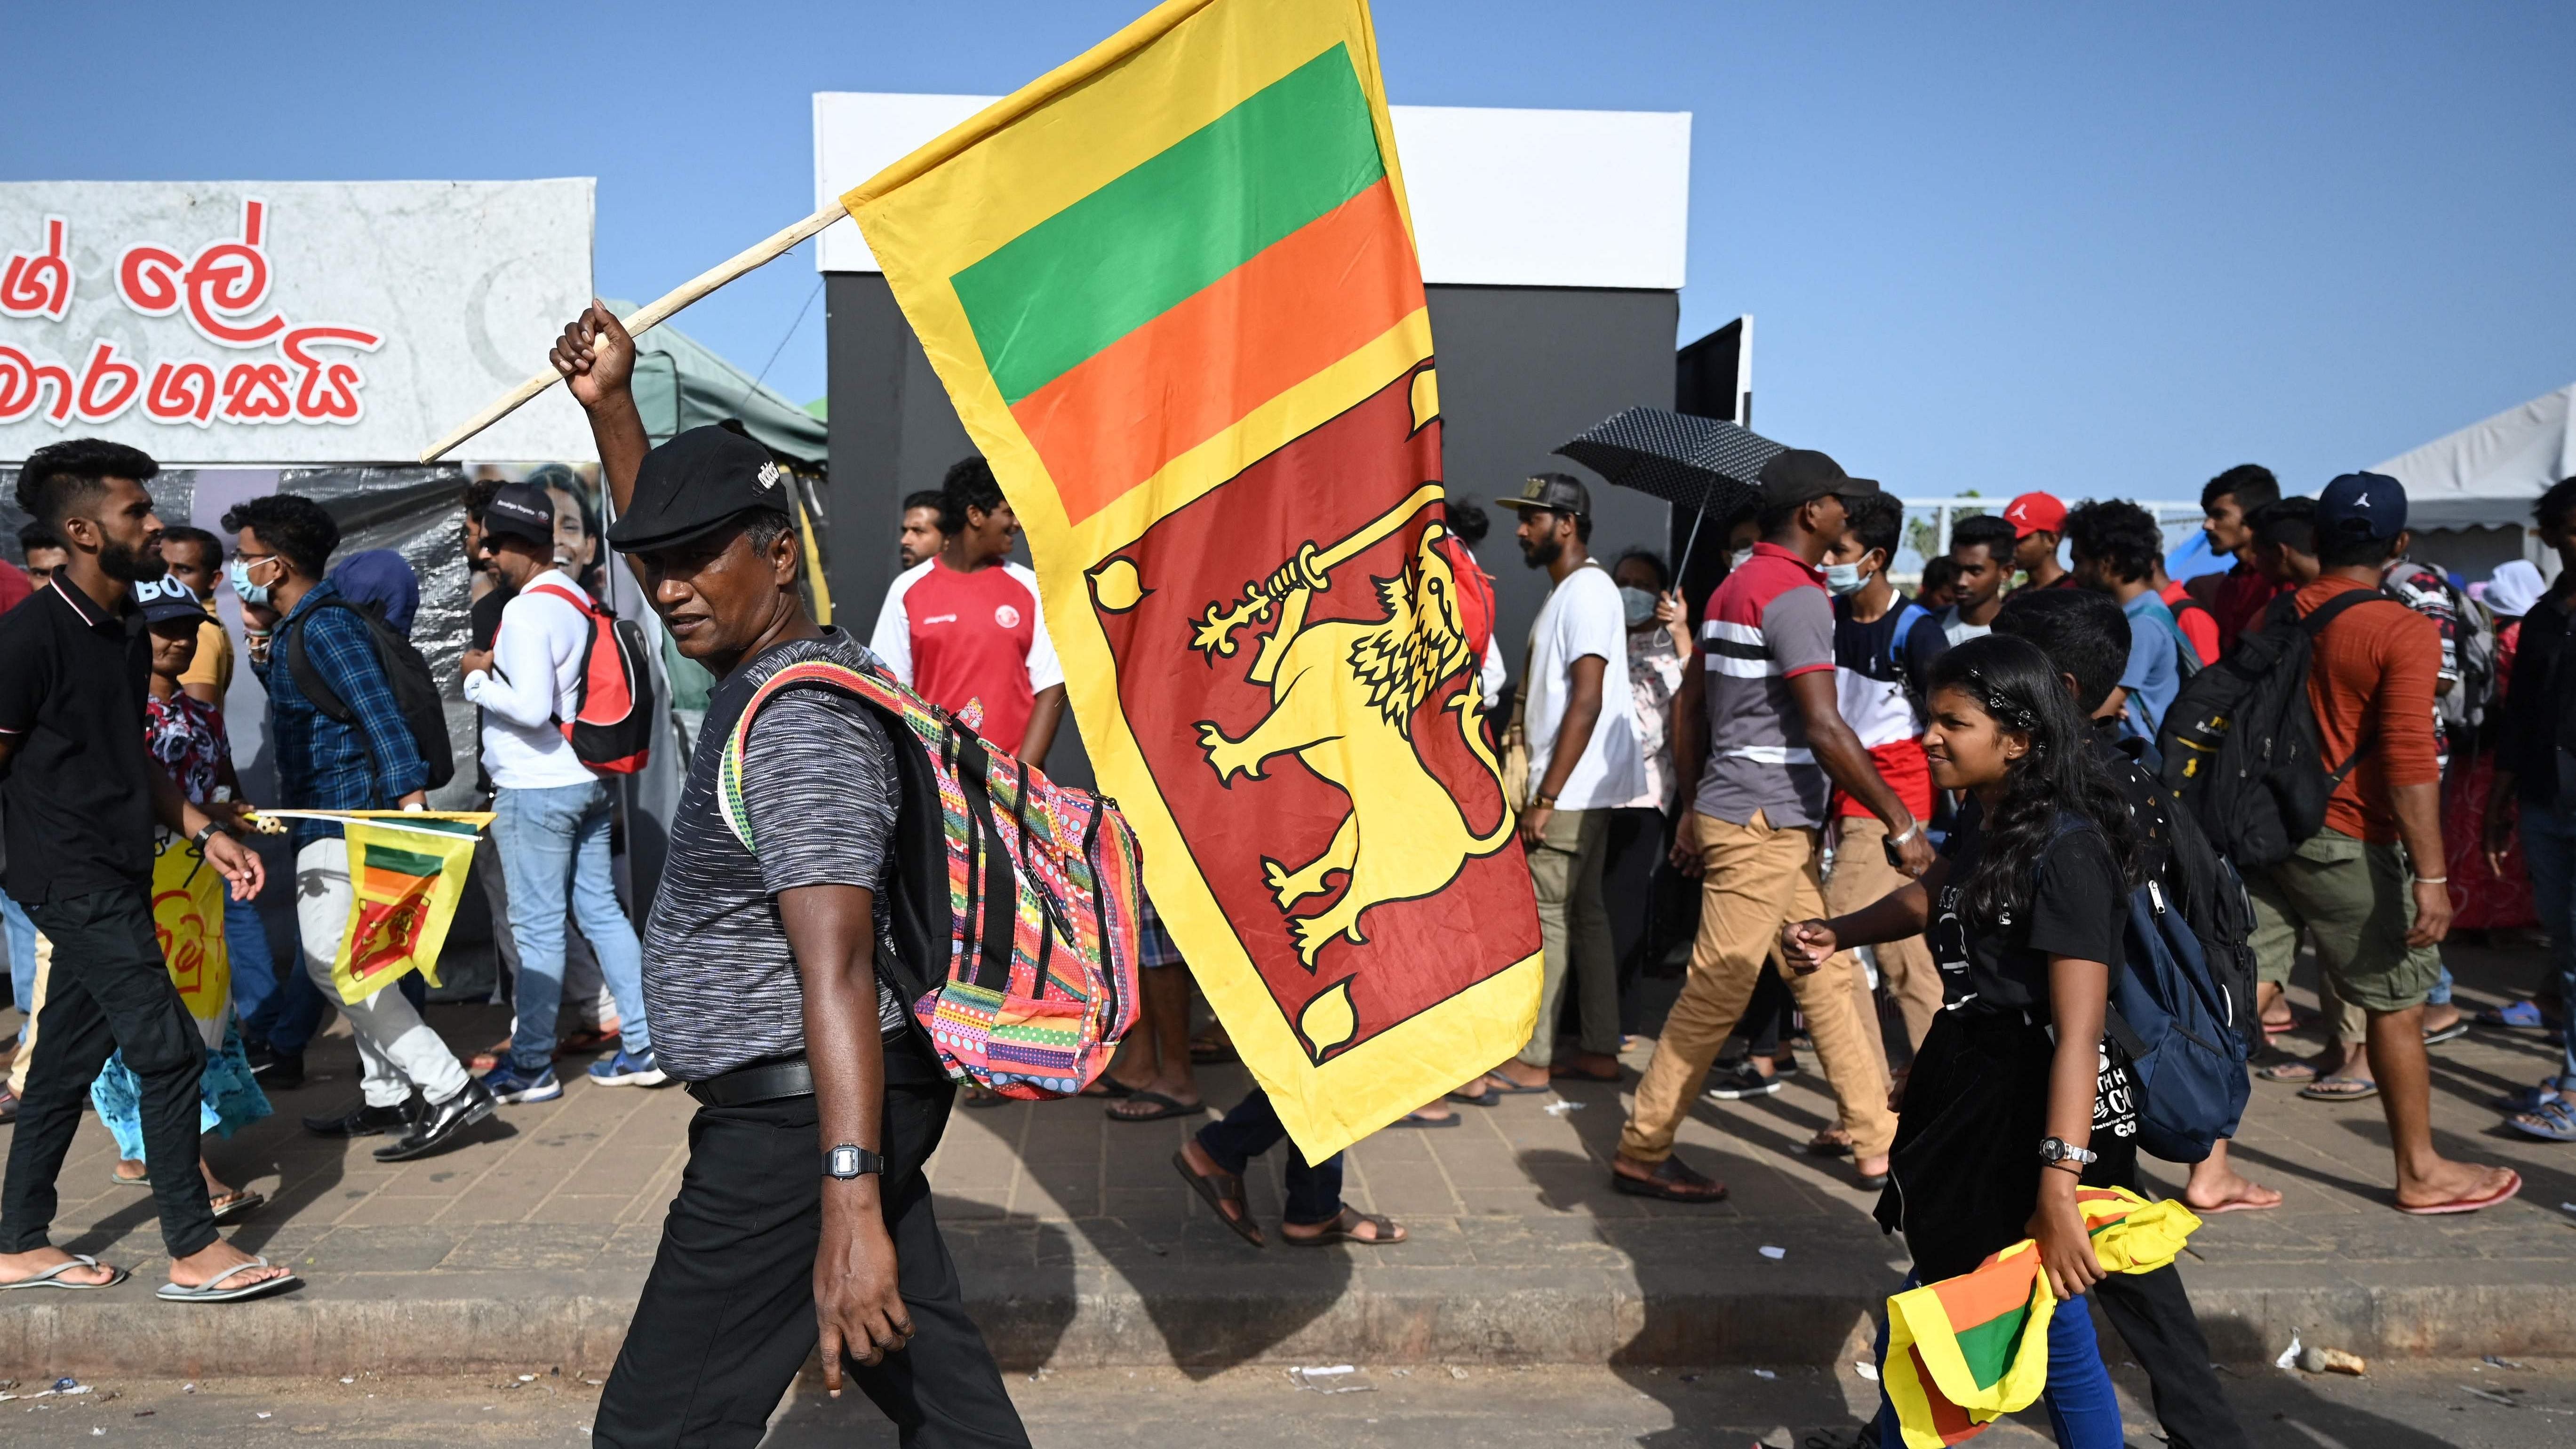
(526,1243)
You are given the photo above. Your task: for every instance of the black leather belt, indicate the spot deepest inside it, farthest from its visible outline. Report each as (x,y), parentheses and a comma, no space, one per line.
(760,1082)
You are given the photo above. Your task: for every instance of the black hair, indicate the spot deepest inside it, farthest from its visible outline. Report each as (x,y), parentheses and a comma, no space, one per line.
(1877,520)
(39,535)
(970,484)
(930,498)
(60,477)
(2556,504)
(1940,572)
(180,535)
(2289,523)
(295,526)
(2119,533)
(1469,520)
(2345,550)
(2017,684)
(763,526)
(2252,485)
(1991,532)
(479,495)
(2083,633)
(1652,560)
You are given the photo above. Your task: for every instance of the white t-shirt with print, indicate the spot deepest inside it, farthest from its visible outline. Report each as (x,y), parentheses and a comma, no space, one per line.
(1583,616)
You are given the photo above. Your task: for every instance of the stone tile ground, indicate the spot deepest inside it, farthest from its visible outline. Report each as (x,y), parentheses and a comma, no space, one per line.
(1080,1246)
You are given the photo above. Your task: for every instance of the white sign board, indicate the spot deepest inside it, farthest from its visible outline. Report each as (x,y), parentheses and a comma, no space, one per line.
(288,322)
(1501,198)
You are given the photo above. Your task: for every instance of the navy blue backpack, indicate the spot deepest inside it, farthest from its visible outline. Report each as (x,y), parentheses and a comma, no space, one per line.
(2170,1013)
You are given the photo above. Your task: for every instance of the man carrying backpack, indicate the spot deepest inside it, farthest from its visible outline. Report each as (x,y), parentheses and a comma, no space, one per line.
(2355,883)
(805,1210)
(323,652)
(550,813)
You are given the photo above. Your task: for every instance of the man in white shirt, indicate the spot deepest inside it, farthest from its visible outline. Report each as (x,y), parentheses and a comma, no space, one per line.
(1584,763)
(551,814)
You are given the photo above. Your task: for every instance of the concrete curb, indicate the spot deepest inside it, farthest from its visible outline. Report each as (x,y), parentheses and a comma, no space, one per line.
(1443,1316)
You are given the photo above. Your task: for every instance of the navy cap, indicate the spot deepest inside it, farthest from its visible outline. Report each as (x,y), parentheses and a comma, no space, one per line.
(521,510)
(2361,505)
(166,598)
(695,484)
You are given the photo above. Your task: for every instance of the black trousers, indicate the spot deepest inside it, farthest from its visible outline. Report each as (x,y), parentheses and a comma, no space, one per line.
(727,1317)
(2153,1313)
(108,990)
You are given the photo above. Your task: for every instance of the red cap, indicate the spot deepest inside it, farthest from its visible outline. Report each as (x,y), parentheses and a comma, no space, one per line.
(2035,513)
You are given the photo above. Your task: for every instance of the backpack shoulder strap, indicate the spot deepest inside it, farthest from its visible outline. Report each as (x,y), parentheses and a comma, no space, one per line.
(1906,618)
(585,604)
(2332,609)
(308,678)
(811,673)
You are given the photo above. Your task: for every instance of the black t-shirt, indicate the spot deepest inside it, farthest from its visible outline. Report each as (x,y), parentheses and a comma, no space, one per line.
(78,792)
(484,619)
(2078,907)
(1899,646)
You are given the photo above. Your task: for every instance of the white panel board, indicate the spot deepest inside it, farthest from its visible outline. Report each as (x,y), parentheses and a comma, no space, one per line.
(1500,197)
(288,322)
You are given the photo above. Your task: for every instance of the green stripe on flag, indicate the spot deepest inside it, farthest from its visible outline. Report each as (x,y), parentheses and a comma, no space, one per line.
(1122,256)
(403,862)
(1989,1346)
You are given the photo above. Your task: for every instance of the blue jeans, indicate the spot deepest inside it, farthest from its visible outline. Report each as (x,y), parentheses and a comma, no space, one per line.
(254,969)
(554,852)
(2083,1409)
(2549,856)
(22,957)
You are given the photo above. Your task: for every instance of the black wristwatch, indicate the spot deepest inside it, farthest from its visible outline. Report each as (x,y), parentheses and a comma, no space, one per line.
(849,1160)
(204,833)
(2058,1149)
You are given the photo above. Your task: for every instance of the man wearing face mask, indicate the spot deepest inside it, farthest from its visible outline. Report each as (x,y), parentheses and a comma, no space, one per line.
(1884,648)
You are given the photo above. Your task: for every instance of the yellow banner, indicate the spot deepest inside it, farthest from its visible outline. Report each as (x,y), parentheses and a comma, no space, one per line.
(406,873)
(188,917)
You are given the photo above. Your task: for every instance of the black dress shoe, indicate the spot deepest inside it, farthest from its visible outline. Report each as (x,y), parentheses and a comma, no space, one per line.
(360,1121)
(433,1128)
(276,1070)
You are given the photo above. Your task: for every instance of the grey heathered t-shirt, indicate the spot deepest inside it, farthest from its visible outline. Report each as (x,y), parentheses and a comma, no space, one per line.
(818,782)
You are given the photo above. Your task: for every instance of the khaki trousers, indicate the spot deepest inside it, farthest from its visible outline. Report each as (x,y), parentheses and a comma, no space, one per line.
(1758,878)
(1862,877)
(1574,934)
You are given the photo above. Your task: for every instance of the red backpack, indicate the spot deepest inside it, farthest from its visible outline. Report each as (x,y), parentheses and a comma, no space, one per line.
(611,728)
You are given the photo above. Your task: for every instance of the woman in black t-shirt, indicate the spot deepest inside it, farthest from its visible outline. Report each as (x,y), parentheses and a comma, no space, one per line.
(2015,1096)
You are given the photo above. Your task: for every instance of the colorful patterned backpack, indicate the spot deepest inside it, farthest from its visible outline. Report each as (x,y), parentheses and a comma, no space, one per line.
(1026,890)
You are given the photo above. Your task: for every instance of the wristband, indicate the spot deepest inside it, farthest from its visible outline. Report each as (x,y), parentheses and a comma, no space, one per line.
(204,833)
(2432,880)
(1543,802)
(1911,831)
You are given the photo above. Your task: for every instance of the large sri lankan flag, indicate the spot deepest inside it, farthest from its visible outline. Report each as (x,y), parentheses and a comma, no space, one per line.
(1172,291)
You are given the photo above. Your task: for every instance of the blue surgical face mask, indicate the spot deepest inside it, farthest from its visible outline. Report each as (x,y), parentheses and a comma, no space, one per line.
(1844,578)
(237,573)
(1639,604)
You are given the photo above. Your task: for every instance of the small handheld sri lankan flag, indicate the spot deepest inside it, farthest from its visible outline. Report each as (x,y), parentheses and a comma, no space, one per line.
(1172,291)
(1965,1351)
(407,869)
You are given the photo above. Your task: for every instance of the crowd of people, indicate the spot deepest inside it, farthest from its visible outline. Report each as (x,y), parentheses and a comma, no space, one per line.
(1905,832)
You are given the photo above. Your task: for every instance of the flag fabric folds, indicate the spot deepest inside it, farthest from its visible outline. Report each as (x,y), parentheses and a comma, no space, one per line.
(1966,1351)
(407,870)
(1171,289)
(188,917)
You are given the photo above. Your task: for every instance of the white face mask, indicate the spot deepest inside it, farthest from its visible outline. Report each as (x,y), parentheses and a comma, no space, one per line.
(1740,557)
(1844,578)
(1639,604)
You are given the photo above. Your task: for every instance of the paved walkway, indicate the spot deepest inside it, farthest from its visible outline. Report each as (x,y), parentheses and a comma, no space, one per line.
(526,1243)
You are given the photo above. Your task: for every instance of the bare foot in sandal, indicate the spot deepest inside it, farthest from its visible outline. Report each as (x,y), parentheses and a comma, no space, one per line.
(214,1260)
(1350,1225)
(20,1267)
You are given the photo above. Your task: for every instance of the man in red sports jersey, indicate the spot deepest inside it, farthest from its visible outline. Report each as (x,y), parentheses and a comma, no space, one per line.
(964,625)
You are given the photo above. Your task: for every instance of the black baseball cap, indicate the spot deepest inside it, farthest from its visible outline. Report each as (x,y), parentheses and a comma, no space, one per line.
(166,598)
(2361,505)
(695,484)
(1798,475)
(521,510)
(1555,492)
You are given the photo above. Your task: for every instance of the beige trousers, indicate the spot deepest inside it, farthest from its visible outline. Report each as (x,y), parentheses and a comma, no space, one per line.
(1759,877)
(1863,877)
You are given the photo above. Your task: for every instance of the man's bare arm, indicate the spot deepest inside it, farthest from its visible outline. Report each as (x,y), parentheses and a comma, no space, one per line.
(1046,715)
(597,360)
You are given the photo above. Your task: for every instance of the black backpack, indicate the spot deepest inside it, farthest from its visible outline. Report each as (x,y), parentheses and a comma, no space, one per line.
(416,691)
(2240,745)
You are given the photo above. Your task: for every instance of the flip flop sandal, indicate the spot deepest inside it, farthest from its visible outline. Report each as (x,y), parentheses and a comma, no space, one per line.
(1109,1087)
(2513,1184)
(52,1277)
(1509,1088)
(121,1180)
(1217,1189)
(2523,1015)
(1210,1053)
(2340,1089)
(1339,1231)
(1416,1119)
(213,1291)
(2529,1099)
(1825,1144)
(240,1207)
(2553,1121)
(1163,1107)
(1484,1098)
(1672,1182)
(2435,1036)
(2292,1071)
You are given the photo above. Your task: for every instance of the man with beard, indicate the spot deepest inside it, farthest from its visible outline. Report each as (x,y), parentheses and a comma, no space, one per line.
(81,794)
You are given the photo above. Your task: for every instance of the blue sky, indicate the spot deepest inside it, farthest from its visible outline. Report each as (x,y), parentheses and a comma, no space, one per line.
(2102,251)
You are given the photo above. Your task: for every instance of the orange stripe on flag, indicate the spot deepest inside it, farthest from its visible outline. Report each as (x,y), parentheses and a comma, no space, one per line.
(1299,306)
(1995,1289)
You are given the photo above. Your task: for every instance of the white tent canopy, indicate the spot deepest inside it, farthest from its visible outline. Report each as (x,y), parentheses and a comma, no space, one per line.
(2488,473)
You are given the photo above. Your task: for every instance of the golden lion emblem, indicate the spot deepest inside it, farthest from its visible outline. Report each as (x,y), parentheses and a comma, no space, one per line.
(1343,695)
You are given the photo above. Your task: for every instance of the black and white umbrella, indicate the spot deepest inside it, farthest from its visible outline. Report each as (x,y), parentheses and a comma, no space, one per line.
(1702,464)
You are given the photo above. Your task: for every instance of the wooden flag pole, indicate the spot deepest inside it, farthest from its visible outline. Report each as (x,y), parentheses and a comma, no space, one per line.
(643,321)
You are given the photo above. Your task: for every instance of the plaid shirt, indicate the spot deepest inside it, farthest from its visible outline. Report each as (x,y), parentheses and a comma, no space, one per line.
(323,764)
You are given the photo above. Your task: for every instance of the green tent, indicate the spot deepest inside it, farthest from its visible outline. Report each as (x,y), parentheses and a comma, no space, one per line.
(680,384)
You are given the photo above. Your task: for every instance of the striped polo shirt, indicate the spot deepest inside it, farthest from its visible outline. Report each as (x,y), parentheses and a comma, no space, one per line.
(1770,622)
